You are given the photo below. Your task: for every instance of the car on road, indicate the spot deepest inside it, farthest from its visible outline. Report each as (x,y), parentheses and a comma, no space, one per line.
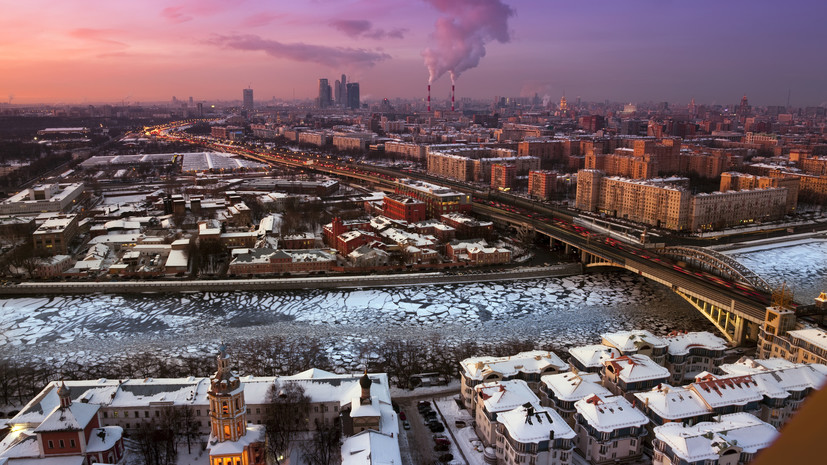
(406,424)
(402,416)
(446,457)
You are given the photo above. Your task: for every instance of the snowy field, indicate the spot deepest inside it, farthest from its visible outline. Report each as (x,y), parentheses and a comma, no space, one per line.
(803,266)
(553,312)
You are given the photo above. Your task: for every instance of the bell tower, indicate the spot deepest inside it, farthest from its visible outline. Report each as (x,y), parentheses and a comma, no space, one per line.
(228,411)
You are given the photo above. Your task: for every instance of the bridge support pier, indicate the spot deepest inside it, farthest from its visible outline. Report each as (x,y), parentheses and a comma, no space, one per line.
(735,328)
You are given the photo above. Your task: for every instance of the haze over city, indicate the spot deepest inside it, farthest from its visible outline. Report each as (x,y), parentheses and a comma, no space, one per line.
(94,51)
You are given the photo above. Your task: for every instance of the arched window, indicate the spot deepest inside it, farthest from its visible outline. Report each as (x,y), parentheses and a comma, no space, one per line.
(227,431)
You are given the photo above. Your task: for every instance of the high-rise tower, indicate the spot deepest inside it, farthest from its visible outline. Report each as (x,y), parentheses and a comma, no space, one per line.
(325,94)
(248,99)
(353,95)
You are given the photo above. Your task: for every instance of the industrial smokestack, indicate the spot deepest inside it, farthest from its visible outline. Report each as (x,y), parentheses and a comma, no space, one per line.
(429,98)
(452,97)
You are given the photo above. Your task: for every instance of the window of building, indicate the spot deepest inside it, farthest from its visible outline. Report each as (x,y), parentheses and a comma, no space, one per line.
(71,443)
(51,445)
(62,444)
(146,413)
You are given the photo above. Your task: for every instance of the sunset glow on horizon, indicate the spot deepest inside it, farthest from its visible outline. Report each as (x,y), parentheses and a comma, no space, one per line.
(94,51)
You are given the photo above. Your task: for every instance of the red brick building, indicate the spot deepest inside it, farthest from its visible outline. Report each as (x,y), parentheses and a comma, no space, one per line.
(69,433)
(542,184)
(503,176)
(467,227)
(400,207)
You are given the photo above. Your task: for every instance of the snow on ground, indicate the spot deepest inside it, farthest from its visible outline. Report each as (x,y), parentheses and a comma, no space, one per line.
(553,311)
(801,265)
(464,438)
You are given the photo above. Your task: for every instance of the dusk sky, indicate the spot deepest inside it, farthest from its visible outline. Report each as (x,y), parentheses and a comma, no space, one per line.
(622,50)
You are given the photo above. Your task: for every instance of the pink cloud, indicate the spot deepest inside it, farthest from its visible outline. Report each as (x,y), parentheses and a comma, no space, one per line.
(261,19)
(364,28)
(97,35)
(324,55)
(175,14)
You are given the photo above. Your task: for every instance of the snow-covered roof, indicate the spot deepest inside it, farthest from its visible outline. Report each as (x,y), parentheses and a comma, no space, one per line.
(708,440)
(632,341)
(777,377)
(103,439)
(72,418)
(371,448)
(368,409)
(19,443)
(814,336)
(536,361)
(633,368)
(532,424)
(255,433)
(593,356)
(721,392)
(672,403)
(501,396)
(570,386)
(607,414)
(683,343)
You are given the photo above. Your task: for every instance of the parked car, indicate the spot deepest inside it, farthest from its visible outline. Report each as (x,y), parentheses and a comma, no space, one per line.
(436,427)
(402,416)
(441,447)
(442,440)
(406,424)
(446,457)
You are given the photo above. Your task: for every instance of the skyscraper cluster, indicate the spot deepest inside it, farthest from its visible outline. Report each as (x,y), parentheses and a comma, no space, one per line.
(343,94)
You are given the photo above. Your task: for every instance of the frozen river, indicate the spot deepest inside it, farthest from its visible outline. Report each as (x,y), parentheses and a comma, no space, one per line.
(552,312)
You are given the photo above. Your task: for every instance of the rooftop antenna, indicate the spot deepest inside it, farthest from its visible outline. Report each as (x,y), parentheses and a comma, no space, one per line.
(788,96)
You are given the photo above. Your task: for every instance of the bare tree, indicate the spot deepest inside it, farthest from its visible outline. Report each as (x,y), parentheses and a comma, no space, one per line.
(324,448)
(286,414)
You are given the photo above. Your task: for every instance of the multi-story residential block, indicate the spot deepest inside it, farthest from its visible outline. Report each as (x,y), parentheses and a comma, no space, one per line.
(783,384)
(781,335)
(590,358)
(628,374)
(408,150)
(689,354)
(535,435)
(562,390)
(741,181)
(664,404)
(542,184)
(662,204)
(493,398)
(609,430)
(651,202)
(638,341)
(503,176)
(527,366)
(732,440)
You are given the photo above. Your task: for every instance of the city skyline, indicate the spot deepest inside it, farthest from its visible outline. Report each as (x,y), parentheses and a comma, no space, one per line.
(90,51)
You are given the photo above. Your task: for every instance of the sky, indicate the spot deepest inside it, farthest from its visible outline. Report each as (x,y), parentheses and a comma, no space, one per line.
(90,51)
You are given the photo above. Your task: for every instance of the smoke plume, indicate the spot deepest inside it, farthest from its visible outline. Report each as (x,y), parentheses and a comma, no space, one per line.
(462,32)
